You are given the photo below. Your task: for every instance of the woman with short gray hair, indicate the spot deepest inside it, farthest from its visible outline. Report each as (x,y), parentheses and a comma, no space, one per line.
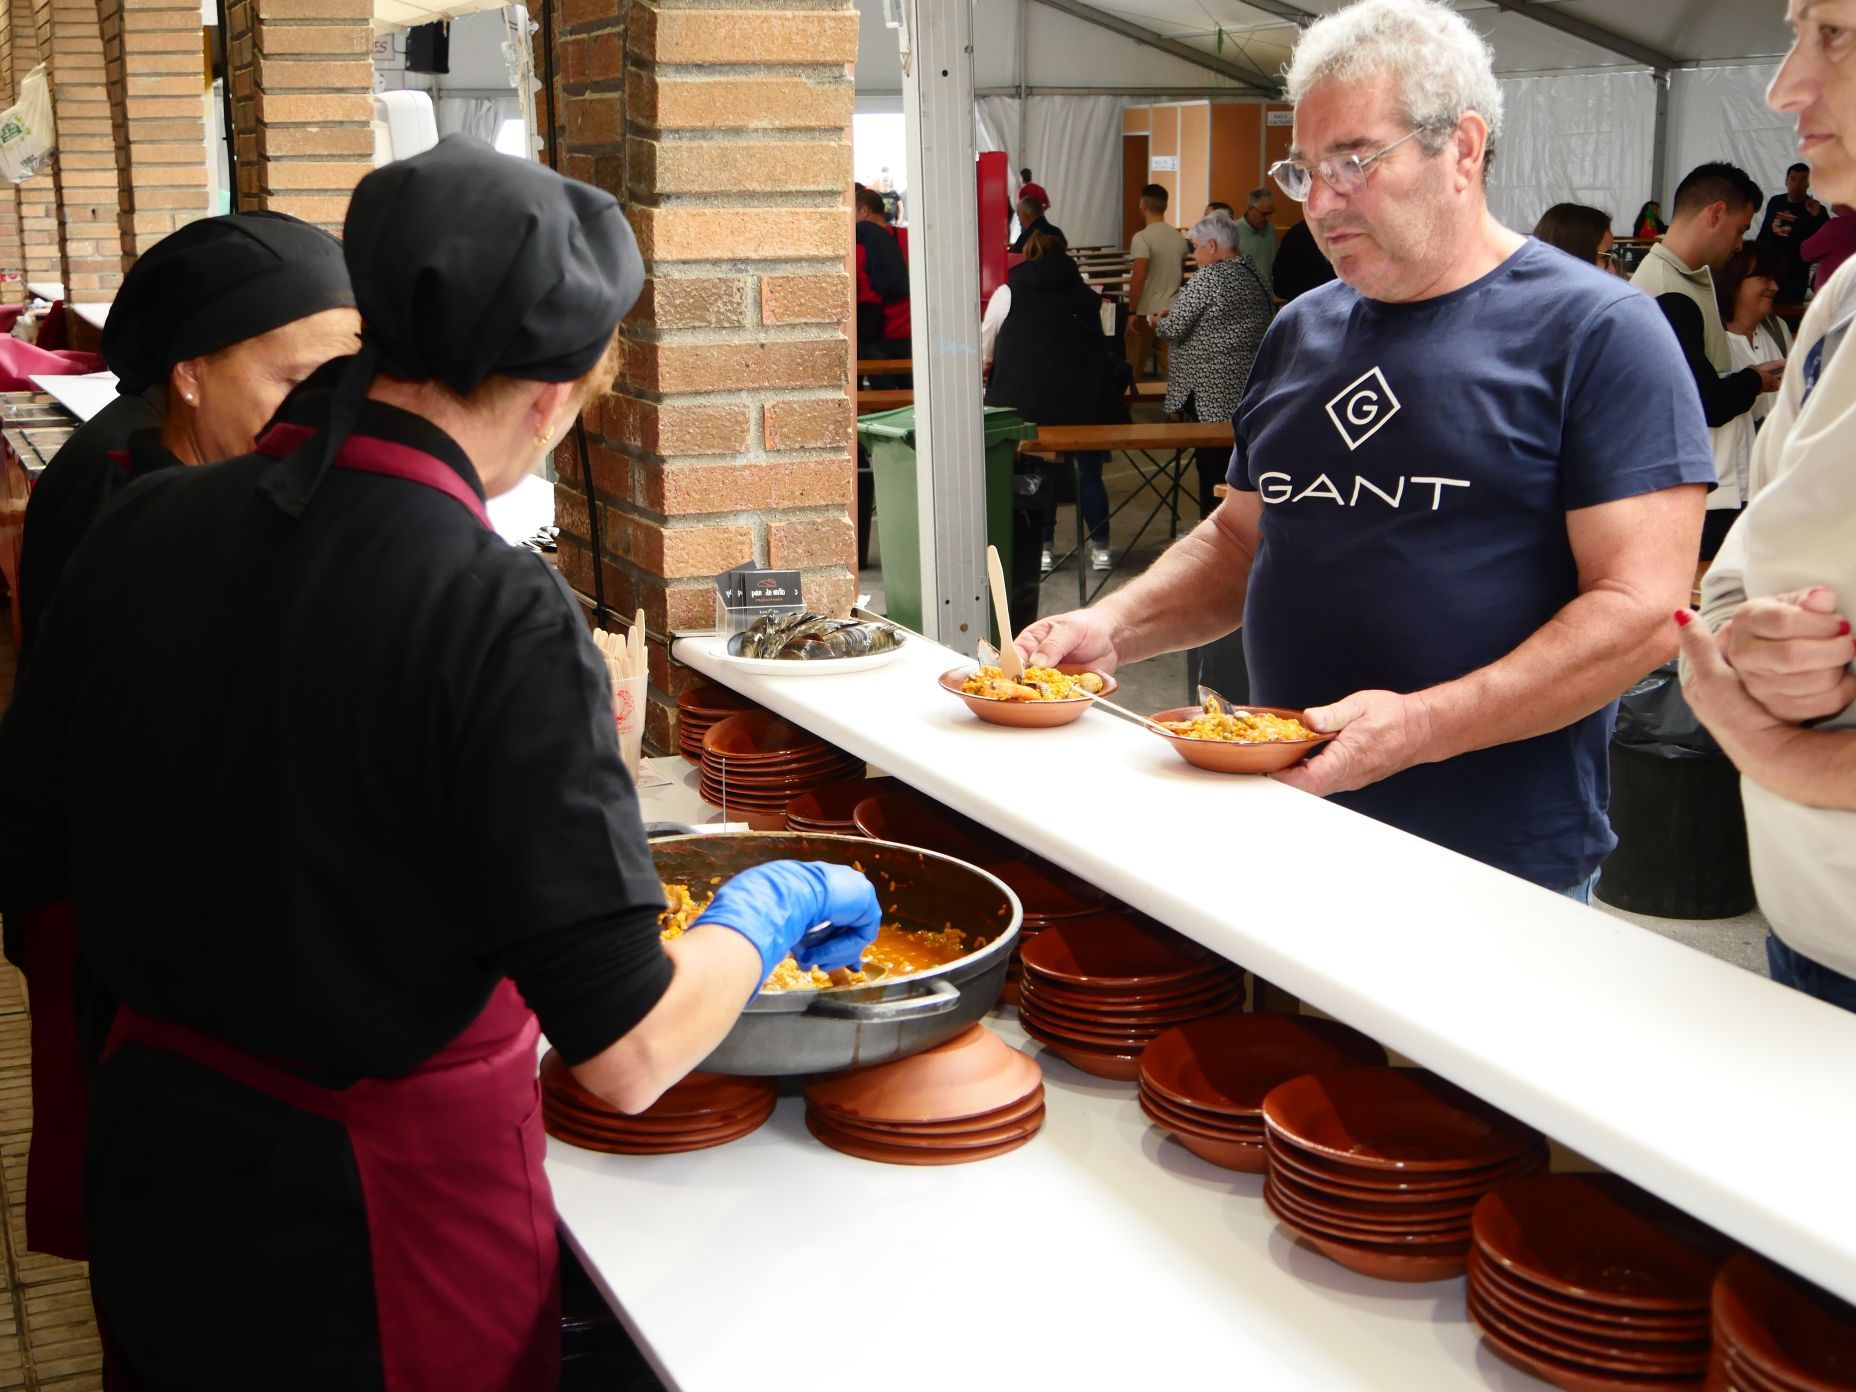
(1215,327)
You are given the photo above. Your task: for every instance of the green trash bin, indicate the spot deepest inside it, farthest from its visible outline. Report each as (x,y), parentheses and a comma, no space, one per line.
(889,437)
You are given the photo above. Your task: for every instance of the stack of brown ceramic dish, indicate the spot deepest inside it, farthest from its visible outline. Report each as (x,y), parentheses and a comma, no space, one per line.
(969,1099)
(1379,1168)
(829,809)
(915,819)
(1205,1082)
(701,708)
(705,1109)
(1048,894)
(1592,1284)
(1098,990)
(754,764)
(1776,1333)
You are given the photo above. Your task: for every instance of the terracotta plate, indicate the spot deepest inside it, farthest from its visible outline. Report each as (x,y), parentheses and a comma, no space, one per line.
(1213,1125)
(934,1140)
(1101,953)
(1228,756)
(1121,1067)
(1600,1238)
(1379,1262)
(1572,1376)
(1784,1328)
(913,820)
(1685,1359)
(1048,891)
(1003,1116)
(591,1140)
(698,1094)
(1025,715)
(1395,1119)
(835,804)
(1585,1316)
(1393,1240)
(904,1155)
(971,1074)
(1107,1003)
(1229,1062)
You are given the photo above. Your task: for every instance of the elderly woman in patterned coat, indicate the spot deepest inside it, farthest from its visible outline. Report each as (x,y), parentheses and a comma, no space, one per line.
(1215,327)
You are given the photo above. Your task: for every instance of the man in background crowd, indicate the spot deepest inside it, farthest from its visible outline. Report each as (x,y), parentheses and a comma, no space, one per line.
(1031,221)
(885,273)
(1158,253)
(1300,266)
(1792,219)
(1714,207)
(1030,188)
(1256,238)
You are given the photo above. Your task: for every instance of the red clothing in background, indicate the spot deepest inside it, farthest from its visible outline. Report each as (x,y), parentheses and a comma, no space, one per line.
(1830,246)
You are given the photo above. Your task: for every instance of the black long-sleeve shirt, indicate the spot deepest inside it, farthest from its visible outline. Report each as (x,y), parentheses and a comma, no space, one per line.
(1722,396)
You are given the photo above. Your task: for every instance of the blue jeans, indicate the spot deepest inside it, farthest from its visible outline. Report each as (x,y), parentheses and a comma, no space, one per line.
(1581,893)
(1094,501)
(1799,972)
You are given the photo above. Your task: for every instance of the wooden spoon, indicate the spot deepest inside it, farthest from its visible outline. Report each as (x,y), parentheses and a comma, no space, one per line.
(1011,662)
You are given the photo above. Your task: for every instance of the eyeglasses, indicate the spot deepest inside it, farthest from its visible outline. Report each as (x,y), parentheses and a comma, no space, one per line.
(1345,176)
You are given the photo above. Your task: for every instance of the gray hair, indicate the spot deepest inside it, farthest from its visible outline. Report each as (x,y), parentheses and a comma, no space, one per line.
(1442,67)
(1259,196)
(1218,228)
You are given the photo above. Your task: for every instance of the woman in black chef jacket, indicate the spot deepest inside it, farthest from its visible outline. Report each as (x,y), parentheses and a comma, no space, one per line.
(211,328)
(331,774)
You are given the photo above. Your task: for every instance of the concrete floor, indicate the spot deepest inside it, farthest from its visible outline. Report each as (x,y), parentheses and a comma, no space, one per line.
(1160,682)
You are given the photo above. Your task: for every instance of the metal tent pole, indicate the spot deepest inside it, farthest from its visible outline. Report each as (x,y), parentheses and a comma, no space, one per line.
(944,289)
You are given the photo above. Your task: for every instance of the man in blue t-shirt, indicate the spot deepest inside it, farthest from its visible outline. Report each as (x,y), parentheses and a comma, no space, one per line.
(1468,477)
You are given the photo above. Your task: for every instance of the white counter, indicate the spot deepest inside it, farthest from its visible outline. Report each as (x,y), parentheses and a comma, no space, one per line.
(96,315)
(1730,1096)
(1101,1256)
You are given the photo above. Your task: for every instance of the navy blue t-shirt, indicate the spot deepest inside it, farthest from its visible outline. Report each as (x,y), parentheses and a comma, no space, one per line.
(1416,464)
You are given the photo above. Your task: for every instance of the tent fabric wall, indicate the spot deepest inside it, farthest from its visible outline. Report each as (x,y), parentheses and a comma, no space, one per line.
(1721,114)
(1587,138)
(1073,144)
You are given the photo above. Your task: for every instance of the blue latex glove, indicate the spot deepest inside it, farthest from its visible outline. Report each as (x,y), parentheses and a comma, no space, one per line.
(774,905)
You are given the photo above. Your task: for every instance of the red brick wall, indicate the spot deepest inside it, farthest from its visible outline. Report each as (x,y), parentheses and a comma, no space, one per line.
(12,253)
(157,87)
(302,104)
(724,132)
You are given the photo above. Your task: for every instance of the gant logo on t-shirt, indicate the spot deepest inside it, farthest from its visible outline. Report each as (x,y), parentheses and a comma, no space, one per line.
(1362,408)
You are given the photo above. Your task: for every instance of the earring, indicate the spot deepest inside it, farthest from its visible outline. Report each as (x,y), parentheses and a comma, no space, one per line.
(187,397)
(541,439)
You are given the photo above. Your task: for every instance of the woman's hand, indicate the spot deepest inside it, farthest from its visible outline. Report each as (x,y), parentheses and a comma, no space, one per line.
(1792,654)
(1719,697)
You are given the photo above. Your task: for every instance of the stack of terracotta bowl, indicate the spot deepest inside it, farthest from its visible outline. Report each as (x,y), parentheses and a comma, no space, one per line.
(1379,1168)
(1098,990)
(1592,1284)
(754,763)
(701,708)
(915,819)
(1776,1333)
(1205,1082)
(969,1099)
(705,1109)
(830,808)
(1048,894)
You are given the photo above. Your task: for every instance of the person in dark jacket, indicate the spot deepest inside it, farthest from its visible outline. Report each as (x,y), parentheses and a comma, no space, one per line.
(884,274)
(1053,365)
(1031,221)
(211,328)
(1300,266)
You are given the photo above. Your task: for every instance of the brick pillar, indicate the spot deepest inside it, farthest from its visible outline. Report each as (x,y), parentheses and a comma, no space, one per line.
(731,437)
(157,88)
(302,104)
(37,197)
(84,174)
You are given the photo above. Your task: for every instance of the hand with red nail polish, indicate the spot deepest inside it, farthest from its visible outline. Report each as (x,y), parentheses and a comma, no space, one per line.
(1793,654)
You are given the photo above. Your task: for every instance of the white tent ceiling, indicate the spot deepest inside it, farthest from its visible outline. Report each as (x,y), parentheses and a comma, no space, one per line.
(1069,52)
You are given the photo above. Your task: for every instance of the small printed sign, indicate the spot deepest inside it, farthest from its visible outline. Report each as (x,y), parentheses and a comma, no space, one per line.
(746,593)
(1279,118)
(1165,164)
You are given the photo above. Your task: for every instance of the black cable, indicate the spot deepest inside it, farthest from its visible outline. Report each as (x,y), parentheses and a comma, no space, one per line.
(586,469)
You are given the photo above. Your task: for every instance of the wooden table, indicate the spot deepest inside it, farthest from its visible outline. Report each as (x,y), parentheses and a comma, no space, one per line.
(885,367)
(1147,391)
(871,399)
(1159,451)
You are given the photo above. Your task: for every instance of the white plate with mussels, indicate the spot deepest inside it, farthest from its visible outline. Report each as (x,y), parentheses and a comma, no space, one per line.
(811,645)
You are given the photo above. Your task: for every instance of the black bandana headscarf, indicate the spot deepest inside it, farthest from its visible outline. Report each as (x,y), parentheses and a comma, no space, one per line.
(217,282)
(467,263)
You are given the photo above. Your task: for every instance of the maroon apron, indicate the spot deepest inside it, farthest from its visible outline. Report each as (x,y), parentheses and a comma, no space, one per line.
(60,1095)
(460,1218)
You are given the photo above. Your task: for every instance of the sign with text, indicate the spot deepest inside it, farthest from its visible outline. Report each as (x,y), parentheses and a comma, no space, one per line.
(1279,118)
(747,594)
(1165,164)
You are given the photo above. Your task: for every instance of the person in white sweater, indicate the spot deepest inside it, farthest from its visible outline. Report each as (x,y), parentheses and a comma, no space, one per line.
(1768,669)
